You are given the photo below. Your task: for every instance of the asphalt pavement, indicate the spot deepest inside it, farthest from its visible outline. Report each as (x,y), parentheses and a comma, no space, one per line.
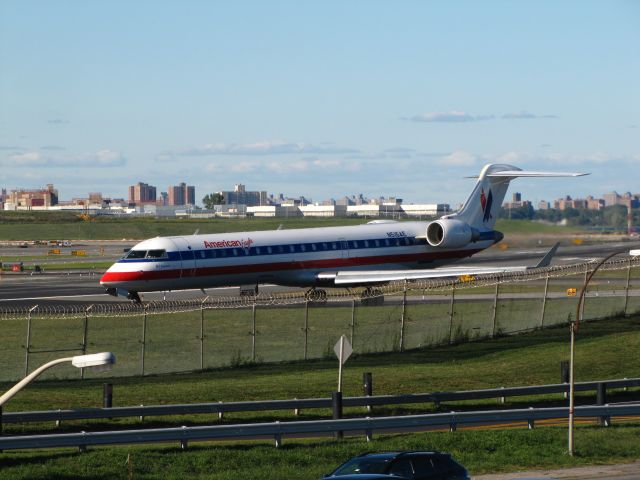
(80,287)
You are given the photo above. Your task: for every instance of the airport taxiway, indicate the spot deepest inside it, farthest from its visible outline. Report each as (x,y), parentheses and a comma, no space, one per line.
(82,287)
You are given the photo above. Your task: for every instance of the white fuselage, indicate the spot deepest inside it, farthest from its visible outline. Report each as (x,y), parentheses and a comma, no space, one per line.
(283,257)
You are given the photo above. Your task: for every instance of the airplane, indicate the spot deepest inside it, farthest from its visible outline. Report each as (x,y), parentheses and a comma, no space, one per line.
(366,255)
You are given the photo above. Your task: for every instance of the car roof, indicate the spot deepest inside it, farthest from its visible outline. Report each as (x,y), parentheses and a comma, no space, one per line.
(400,454)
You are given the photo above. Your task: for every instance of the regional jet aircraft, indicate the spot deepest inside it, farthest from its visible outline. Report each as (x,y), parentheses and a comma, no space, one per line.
(364,255)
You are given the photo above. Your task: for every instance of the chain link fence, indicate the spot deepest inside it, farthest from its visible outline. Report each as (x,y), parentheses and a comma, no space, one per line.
(211,332)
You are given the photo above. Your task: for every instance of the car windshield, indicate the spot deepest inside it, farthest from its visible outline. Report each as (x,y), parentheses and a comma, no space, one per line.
(363,465)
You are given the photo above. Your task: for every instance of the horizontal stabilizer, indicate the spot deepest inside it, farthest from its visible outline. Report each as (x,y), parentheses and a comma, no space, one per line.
(525,173)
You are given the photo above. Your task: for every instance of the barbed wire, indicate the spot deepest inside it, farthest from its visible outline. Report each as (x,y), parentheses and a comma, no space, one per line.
(283,299)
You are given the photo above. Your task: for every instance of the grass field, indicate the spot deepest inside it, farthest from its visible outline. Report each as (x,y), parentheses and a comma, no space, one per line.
(479,451)
(141,228)
(280,330)
(605,349)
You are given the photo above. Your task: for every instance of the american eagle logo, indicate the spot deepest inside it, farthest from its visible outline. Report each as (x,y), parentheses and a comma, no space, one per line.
(486,201)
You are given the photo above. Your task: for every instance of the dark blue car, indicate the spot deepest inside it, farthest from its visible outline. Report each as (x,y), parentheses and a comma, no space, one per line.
(401,465)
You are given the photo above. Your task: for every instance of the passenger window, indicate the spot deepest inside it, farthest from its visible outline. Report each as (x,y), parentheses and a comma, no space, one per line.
(325,246)
(280,249)
(203,254)
(314,247)
(387,242)
(258,251)
(223,252)
(269,250)
(235,252)
(303,248)
(334,245)
(377,242)
(292,248)
(366,244)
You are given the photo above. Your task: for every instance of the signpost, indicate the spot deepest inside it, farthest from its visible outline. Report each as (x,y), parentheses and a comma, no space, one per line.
(343,351)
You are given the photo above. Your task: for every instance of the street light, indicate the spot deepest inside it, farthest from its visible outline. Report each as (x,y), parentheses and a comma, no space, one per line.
(99,362)
(574,329)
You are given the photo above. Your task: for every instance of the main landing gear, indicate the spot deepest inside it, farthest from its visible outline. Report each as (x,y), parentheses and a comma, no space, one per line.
(316,295)
(371,297)
(134,296)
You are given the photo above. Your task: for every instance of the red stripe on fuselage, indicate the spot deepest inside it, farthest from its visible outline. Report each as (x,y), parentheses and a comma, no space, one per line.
(280,266)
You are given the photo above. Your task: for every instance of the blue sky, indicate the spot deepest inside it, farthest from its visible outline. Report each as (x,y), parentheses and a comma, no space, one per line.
(319,98)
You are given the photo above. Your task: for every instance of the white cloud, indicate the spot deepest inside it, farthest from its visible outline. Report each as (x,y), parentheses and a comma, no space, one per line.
(102,159)
(523,115)
(459,158)
(26,159)
(453,116)
(105,158)
(269,147)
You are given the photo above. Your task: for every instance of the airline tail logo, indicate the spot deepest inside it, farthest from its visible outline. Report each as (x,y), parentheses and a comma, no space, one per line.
(486,201)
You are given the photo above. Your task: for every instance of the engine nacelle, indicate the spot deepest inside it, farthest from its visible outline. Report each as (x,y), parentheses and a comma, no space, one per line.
(450,233)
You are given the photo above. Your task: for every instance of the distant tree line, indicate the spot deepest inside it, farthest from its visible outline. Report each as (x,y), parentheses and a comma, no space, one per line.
(613,217)
(210,200)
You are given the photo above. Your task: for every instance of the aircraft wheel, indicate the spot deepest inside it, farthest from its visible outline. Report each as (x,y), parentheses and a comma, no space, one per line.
(316,296)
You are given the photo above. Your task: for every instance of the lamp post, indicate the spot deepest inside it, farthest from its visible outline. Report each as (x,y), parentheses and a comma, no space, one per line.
(97,361)
(575,325)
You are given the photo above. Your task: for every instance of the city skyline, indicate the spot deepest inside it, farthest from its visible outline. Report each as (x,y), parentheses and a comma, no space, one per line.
(319,99)
(144,194)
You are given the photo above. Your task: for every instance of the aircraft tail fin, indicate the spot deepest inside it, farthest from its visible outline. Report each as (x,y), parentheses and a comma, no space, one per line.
(481,209)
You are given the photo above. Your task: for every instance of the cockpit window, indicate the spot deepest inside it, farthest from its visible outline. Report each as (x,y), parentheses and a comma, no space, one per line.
(156,254)
(135,254)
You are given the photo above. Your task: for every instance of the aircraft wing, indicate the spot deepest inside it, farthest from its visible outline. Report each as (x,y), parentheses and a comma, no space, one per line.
(355,277)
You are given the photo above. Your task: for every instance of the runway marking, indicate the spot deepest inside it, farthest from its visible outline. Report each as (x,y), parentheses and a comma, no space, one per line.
(50,298)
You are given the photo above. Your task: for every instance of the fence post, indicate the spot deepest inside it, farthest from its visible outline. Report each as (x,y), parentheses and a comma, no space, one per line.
(202,332)
(306,328)
(495,308)
(28,349)
(84,336)
(601,399)
(584,282)
(144,339)
(402,319)
(626,289)
(107,395)
(253,332)
(544,300)
(353,320)
(453,299)
(336,406)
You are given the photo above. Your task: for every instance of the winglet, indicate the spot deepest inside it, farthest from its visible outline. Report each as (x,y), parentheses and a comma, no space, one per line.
(546,260)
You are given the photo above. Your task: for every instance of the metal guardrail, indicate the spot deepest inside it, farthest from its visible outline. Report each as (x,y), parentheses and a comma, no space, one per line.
(277,429)
(299,404)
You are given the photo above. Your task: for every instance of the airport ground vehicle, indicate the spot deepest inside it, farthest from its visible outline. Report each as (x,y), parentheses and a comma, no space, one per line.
(409,465)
